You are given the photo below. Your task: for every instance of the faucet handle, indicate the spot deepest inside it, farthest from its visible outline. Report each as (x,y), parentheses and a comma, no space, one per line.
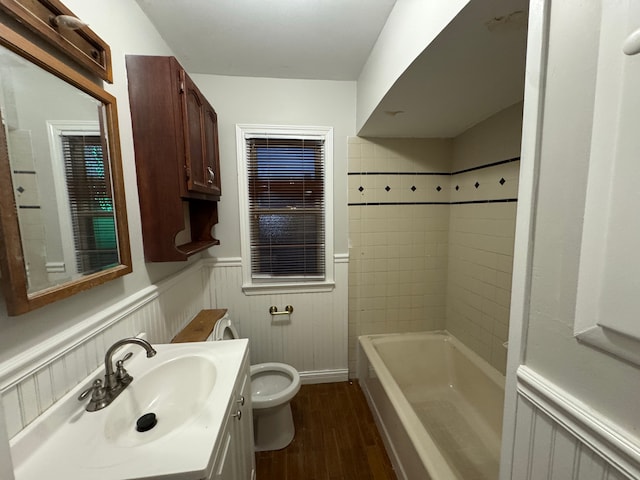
(98,396)
(125,358)
(122,376)
(96,390)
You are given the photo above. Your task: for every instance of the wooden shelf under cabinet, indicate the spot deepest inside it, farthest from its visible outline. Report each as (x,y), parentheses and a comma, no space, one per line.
(175,135)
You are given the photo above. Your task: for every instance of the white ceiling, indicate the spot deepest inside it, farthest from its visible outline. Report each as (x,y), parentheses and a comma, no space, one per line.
(313,39)
(474,68)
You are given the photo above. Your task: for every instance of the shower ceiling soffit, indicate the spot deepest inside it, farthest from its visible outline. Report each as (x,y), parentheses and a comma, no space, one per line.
(472,70)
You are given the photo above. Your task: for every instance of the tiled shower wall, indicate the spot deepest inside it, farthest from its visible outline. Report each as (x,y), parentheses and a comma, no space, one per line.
(481,236)
(432,248)
(398,230)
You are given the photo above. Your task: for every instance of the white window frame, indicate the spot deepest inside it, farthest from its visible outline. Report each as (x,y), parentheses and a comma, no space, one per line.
(244,131)
(57,129)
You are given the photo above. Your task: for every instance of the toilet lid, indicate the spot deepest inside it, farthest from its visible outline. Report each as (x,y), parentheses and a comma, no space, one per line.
(224,329)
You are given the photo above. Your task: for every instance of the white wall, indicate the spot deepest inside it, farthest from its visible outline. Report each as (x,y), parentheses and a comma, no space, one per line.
(51,331)
(410,28)
(314,338)
(127,30)
(277,102)
(566,391)
(495,139)
(608,385)
(6,464)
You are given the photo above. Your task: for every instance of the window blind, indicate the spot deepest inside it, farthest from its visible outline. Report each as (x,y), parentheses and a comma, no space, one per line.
(286,208)
(91,203)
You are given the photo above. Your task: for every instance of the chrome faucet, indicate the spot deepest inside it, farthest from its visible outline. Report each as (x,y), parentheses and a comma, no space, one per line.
(102,394)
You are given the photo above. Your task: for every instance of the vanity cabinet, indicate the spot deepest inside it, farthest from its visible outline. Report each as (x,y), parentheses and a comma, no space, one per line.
(235,459)
(175,135)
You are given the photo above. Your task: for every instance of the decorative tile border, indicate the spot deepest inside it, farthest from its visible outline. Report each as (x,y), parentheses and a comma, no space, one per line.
(489,183)
(480,167)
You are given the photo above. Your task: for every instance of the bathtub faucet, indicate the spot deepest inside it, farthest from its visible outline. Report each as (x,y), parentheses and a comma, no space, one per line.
(114,381)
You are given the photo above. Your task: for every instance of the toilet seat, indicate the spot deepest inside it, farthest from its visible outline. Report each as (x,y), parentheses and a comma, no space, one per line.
(270,398)
(224,329)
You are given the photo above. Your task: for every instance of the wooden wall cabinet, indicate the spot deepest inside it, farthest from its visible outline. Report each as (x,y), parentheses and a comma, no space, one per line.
(175,135)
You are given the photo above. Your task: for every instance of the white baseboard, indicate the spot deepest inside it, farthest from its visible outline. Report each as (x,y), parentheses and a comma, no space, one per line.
(324,376)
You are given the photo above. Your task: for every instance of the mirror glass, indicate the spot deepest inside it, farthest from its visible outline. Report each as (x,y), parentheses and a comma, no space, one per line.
(60,174)
(63,220)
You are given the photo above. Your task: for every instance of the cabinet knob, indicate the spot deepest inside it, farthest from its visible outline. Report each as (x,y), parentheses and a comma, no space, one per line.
(241,400)
(631,45)
(212,175)
(238,414)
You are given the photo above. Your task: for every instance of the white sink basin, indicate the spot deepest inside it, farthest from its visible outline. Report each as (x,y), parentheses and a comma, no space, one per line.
(188,386)
(175,391)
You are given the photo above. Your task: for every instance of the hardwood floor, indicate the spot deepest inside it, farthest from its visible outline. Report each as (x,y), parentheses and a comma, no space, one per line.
(336,438)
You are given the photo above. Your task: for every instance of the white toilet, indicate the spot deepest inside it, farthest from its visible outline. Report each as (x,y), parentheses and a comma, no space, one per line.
(273,385)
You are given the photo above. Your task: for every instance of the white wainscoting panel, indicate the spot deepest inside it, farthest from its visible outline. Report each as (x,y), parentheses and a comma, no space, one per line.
(559,438)
(313,339)
(36,379)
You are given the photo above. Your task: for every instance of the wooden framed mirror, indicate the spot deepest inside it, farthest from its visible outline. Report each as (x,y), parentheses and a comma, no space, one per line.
(63,220)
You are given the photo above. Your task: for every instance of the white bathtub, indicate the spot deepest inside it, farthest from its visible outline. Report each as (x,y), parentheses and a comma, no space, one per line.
(437,404)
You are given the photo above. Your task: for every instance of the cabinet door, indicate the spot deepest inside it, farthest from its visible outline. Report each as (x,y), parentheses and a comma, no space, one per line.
(244,432)
(212,156)
(225,466)
(200,136)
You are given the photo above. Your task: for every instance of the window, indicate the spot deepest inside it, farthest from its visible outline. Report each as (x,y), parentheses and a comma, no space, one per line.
(84,199)
(90,200)
(285,197)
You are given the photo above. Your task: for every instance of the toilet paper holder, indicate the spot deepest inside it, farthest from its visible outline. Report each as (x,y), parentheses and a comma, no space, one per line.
(288,310)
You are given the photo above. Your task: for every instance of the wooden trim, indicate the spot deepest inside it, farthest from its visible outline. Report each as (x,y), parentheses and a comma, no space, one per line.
(83,45)
(199,329)
(11,259)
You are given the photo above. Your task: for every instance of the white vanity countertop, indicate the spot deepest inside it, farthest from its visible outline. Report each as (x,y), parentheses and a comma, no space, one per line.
(69,443)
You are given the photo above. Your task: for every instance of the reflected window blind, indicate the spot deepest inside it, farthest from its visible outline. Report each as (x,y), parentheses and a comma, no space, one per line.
(90,200)
(286,208)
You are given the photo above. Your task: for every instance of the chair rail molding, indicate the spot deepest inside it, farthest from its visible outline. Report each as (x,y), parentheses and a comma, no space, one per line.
(611,442)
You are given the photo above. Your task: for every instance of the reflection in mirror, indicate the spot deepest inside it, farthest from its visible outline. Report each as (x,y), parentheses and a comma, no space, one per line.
(59,132)
(60,175)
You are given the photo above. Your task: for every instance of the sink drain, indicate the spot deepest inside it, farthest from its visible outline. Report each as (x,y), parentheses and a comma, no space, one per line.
(146,422)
